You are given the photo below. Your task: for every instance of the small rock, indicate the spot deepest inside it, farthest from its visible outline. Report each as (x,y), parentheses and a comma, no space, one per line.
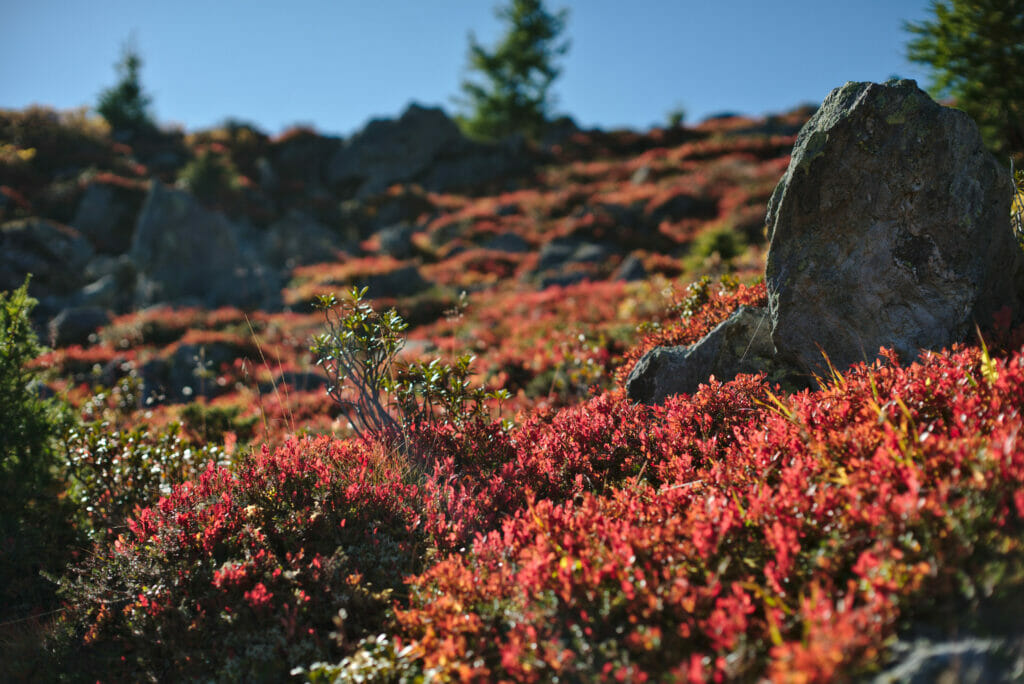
(507,242)
(75,326)
(559,253)
(740,344)
(396,240)
(631,269)
(401,282)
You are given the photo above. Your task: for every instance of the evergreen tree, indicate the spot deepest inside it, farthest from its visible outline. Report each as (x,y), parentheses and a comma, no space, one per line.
(513,95)
(975,49)
(125,106)
(35,528)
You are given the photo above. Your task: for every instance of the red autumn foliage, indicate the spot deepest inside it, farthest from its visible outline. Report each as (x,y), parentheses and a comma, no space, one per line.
(736,534)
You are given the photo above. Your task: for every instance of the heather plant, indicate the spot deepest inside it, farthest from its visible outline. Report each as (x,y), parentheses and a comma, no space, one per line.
(56,140)
(384,399)
(242,142)
(767,536)
(117,465)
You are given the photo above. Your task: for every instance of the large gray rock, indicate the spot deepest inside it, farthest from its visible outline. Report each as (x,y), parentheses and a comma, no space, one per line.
(298,239)
(740,344)
(390,151)
(186,254)
(422,146)
(890,228)
(299,160)
(106,215)
(55,255)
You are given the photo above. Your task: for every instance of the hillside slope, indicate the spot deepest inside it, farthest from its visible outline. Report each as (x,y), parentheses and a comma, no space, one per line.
(562,533)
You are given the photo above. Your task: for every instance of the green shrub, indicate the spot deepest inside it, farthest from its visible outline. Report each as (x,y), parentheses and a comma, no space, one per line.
(724,241)
(210,423)
(211,176)
(35,523)
(383,399)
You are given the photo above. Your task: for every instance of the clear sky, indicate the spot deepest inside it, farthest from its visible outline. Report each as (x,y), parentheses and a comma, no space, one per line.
(335,64)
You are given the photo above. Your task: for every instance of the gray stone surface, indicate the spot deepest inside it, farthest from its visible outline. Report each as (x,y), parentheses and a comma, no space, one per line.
(423,146)
(740,344)
(507,242)
(563,251)
(390,151)
(401,282)
(186,254)
(74,326)
(396,240)
(55,255)
(890,228)
(298,239)
(111,283)
(968,660)
(106,215)
(631,269)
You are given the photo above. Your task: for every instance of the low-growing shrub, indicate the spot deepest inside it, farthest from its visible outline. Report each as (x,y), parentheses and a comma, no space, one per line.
(785,537)
(244,574)
(117,465)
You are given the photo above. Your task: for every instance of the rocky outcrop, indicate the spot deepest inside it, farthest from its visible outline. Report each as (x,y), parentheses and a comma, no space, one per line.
(55,255)
(186,254)
(890,228)
(740,344)
(422,146)
(106,215)
(298,239)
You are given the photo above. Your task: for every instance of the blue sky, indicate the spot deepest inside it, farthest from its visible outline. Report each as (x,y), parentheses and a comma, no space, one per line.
(335,64)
